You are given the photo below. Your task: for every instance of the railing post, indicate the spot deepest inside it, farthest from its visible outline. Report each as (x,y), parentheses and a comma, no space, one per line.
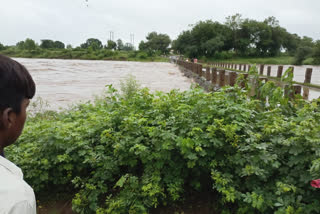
(194,68)
(297,89)
(261,69)
(306,91)
(308,75)
(200,70)
(214,77)
(280,69)
(269,71)
(245,67)
(222,74)
(240,67)
(232,78)
(208,73)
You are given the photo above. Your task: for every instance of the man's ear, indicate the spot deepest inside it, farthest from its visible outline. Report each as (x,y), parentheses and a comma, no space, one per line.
(7,118)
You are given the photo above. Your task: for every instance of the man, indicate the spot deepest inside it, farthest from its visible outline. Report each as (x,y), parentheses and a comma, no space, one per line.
(16,90)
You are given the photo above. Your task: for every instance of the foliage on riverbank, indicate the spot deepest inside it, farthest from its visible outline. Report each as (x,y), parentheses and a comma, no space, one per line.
(128,154)
(239,37)
(279,60)
(84,54)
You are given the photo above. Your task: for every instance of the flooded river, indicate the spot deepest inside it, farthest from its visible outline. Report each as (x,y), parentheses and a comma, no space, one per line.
(299,72)
(65,82)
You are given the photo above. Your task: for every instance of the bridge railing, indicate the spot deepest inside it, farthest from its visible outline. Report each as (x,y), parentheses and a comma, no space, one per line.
(221,74)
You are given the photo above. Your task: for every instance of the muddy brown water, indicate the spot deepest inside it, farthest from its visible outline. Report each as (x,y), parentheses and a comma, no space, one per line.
(299,76)
(62,83)
(65,82)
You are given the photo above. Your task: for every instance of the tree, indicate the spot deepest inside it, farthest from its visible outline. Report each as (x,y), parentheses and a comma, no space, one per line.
(302,53)
(59,45)
(120,45)
(143,46)
(47,44)
(69,46)
(128,47)
(316,53)
(93,43)
(291,43)
(156,42)
(234,23)
(20,45)
(111,45)
(30,44)
(1,47)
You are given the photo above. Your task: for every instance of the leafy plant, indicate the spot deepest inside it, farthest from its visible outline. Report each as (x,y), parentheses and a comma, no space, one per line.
(128,154)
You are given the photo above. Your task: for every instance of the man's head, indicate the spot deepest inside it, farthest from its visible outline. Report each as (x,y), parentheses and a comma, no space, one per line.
(16,89)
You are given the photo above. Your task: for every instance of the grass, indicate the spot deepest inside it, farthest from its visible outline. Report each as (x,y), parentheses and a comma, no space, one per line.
(84,54)
(281,60)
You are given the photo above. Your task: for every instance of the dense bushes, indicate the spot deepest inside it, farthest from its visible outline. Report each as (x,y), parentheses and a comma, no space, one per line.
(127,154)
(79,53)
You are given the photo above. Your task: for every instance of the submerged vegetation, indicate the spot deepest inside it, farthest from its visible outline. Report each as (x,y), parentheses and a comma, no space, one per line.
(134,151)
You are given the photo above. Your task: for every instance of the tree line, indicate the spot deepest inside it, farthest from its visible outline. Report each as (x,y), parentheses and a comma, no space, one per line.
(236,37)
(155,43)
(244,38)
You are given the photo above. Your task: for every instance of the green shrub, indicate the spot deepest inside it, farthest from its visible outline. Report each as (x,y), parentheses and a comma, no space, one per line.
(316,53)
(302,54)
(224,55)
(127,154)
(2,47)
(142,55)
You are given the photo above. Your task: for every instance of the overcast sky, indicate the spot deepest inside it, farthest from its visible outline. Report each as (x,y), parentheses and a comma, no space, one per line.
(73,21)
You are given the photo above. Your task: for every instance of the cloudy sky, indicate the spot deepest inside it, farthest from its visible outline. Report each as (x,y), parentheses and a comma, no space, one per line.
(73,21)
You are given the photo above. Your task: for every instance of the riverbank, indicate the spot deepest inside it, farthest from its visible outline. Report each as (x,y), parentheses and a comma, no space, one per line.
(84,54)
(280,60)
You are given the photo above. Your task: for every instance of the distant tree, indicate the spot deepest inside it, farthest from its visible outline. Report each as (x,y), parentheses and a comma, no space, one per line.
(93,43)
(20,45)
(128,47)
(305,50)
(120,45)
(234,23)
(59,45)
(244,37)
(302,53)
(1,47)
(156,42)
(47,44)
(291,43)
(30,44)
(205,39)
(69,46)
(111,45)
(316,53)
(143,46)
(306,42)
(180,45)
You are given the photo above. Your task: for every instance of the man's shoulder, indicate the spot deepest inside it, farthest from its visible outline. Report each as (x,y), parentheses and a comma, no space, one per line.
(14,189)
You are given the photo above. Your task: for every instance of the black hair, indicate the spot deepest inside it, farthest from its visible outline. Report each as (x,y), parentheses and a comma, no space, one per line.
(16,84)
